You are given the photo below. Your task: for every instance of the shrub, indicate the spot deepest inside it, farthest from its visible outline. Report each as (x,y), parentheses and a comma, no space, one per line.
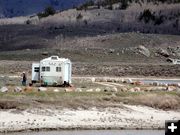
(28,22)
(47,11)
(79,16)
(159,20)
(124,4)
(86,5)
(147,16)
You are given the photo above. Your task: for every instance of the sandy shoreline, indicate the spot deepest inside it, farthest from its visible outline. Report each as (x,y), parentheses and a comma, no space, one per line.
(125,117)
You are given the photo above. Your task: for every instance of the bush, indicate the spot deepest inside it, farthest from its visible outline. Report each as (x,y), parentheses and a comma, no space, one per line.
(86,5)
(47,11)
(159,20)
(124,4)
(147,16)
(28,22)
(79,16)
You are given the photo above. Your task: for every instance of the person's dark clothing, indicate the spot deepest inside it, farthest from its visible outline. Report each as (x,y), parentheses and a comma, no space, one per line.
(24,80)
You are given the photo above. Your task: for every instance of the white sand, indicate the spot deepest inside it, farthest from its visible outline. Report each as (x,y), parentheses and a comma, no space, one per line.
(128,117)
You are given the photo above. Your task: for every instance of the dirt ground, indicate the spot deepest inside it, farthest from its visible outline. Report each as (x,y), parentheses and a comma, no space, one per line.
(100,69)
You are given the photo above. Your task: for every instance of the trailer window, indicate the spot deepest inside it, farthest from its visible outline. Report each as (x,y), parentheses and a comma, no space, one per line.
(54,58)
(36,69)
(45,69)
(58,69)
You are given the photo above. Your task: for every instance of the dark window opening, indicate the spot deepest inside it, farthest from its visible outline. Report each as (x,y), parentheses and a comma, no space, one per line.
(45,69)
(58,69)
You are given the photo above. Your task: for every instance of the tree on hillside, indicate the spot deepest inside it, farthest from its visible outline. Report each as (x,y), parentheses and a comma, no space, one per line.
(86,5)
(146,16)
(124,4)
(47,11)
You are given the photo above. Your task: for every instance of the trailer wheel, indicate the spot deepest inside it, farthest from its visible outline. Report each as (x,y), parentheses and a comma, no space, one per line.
(66,84)
(33,81)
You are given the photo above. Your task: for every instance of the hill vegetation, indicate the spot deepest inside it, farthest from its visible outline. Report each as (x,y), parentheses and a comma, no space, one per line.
(47,11)
(123,3)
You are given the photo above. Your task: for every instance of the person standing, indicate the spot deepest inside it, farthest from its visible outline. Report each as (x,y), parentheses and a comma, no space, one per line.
(24,79)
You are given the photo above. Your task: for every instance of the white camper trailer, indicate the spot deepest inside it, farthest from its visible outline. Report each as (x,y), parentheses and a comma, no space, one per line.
(52,71)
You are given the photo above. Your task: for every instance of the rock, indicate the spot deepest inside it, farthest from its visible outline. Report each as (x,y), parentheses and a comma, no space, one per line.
(132,90)
(137,89)
(111,50)
(69,90)
(138,83)
(155,84)
(18,89)
(143,50)
(170,60)
(4,89)
(42,89)
(114,89)
(171,88)
(98,90)
(158,88)
(56,90)
(122,80)
(107,89)
(178,85)
(28,49)
(28,89)
(129,81)
(164,84)
(93,79)
(33,20)
(109,80)
(148,89)
(175,51)
(90,90)
(163,52)
(124,89)
(78,90)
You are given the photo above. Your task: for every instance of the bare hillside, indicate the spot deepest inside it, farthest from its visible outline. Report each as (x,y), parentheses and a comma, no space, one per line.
(138,16)
(146,18)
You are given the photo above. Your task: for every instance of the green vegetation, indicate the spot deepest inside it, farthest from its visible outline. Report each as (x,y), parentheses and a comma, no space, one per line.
(47,11)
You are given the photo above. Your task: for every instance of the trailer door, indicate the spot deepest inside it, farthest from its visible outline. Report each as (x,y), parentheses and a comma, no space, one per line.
(35,72)
(67,72)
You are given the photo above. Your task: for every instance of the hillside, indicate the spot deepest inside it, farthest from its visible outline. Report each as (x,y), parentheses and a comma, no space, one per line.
(138,16)
(13,8)
(99,40)
(146,18)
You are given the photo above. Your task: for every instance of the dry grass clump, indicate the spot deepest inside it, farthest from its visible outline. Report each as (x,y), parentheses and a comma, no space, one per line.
(164,102)
(6,104)
(86,100)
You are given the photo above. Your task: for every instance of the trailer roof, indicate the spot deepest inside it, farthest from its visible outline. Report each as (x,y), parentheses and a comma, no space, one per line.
(55,58)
